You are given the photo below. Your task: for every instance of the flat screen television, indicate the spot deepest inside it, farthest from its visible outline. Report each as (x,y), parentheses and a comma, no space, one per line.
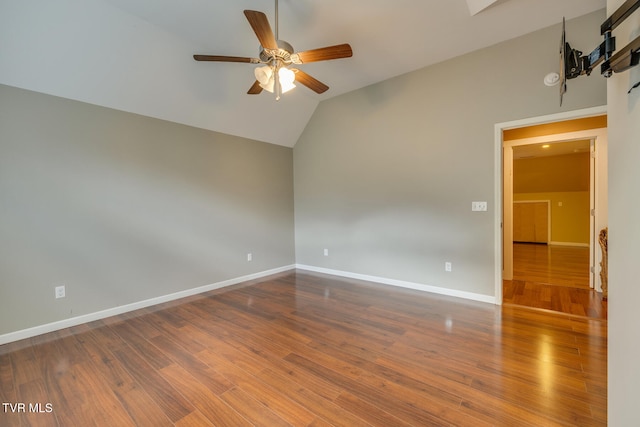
(571,63)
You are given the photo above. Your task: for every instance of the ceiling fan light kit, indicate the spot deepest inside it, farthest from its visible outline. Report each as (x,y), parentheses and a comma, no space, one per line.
(266,77)
(276,57)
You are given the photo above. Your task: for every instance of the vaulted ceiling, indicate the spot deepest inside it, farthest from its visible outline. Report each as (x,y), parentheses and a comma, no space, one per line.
(136,55)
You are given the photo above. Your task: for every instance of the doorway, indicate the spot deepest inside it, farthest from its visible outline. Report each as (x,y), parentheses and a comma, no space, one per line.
(579,134)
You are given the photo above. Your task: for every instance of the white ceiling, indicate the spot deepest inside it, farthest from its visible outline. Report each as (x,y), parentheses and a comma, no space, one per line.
(136,55)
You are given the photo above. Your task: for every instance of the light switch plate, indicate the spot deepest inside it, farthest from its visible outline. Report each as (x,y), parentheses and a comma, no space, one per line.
(479,206)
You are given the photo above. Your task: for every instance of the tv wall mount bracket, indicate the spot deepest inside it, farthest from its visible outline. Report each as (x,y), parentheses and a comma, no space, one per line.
(573,64)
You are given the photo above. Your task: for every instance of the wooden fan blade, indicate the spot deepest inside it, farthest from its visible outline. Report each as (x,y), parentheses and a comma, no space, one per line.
(310,82)
(255,89)
(261,27)
(326,53)
(224,58)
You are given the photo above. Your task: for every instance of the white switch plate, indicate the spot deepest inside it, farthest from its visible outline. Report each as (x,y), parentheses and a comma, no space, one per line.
(326,252)
(447,266)
(249,257)
(479,206)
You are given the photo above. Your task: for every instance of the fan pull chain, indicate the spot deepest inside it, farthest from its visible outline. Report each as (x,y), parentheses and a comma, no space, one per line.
(276,80)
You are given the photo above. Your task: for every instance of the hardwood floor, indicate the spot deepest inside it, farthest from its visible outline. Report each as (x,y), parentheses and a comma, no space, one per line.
(553,278)
(551,265)
(306,349)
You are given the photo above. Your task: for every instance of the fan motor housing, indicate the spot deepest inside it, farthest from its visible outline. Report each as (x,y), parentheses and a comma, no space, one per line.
(283,52)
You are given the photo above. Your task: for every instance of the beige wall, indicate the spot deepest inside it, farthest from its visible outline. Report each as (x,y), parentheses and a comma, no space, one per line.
(624,235)
(122,208)
(568,172)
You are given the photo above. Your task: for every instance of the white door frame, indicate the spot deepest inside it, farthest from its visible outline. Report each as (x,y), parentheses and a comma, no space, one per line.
(503,257)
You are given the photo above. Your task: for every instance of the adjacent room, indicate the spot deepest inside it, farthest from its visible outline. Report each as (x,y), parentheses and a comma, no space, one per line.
(296,213)
(555,179)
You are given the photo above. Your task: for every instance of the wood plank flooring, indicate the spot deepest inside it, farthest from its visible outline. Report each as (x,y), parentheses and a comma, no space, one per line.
(553,278)
(305,349)
(551,264)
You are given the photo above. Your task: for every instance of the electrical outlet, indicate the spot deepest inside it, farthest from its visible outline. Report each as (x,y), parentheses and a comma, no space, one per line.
(326,252)
(249,257)
(447,266)
(60,292)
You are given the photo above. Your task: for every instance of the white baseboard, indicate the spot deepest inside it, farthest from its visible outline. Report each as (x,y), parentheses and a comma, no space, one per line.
(579,245)
(400,283)
(78,320)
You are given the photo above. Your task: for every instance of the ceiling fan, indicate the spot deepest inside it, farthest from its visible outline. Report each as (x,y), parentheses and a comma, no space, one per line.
(277,56)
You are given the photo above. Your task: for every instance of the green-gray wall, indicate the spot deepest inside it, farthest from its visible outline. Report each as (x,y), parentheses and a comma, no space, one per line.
(384,176)
(122,208)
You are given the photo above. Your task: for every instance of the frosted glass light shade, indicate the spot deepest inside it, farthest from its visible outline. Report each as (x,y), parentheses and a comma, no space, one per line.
(264,75)
(286,77)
